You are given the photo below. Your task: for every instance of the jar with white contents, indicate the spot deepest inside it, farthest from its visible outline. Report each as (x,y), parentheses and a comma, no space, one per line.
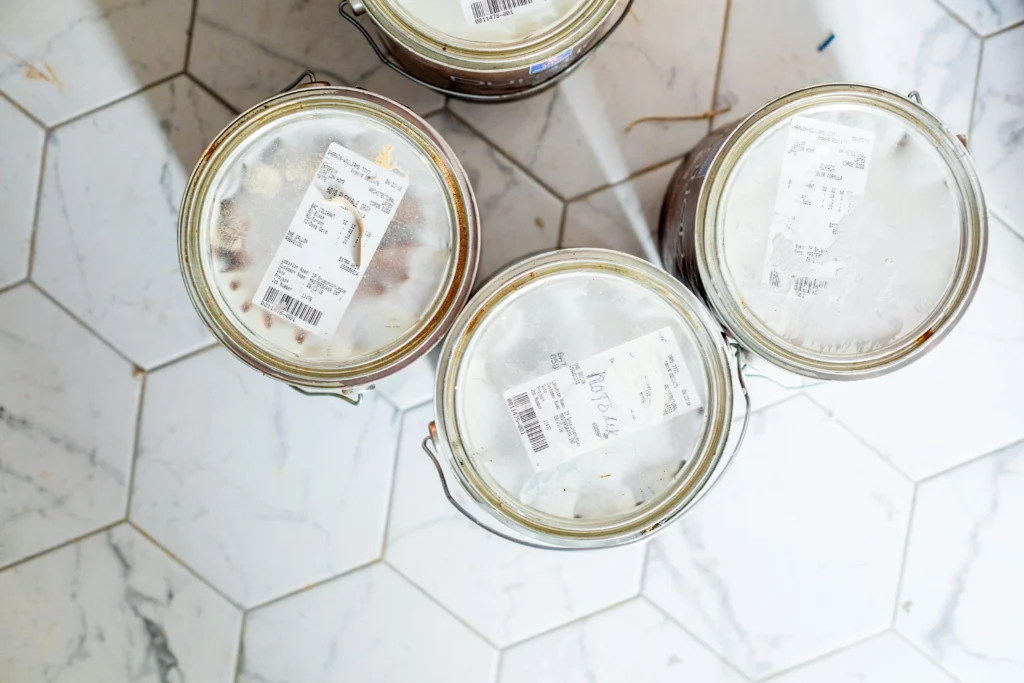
(584,399)
(328,237)
(839,232)
(486,50)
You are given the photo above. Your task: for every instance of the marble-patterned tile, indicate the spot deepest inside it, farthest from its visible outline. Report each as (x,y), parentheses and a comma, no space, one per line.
(772,48)
(961,400)
(661,62)
(414,385)
(113,608)
(370,626)
(61,58)
(106,245)
(997,138)
(68,407)
(987,16)
(960,599)
(631,642)
(248,50)
(624,217)
(517,215)
(886,658)
(20,157)
(762,569)
(260,489)
(505,591)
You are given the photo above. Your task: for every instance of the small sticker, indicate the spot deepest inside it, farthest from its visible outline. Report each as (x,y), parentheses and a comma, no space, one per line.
(824,173)
(584,405)
(320,261)
(551,61)
(480,12)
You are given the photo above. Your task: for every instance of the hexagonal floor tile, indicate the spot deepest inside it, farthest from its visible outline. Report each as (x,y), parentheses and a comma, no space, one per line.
(883,659)
(987,16)
(772,48)
(113,608)
(762,570)
(371,627)
(20,157)
(517,215)
(997,139)
(248,50)
(624,217)
(960,599)
(963,399)
(68,407)
(262,490)
(631,642)
(64,57)
(106,245)
(506,592)
(574,137)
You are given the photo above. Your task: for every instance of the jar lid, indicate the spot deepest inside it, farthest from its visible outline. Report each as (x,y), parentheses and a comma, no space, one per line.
(585,397)
(286,274)
(842,231)
(489,21)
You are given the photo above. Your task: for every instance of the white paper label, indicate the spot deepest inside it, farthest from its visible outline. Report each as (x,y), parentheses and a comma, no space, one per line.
(618,392)
(314,275)
(824,172)
(480,12)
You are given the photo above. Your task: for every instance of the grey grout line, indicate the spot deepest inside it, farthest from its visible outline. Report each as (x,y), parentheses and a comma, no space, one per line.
(970,461)
(311,586)
(88,328)
(199,577)
(958,19)
(63,544)
(1005,29)
(402,414)
(1010,225)
(202,85)
(499,664)
(901,575)
(721,62)
(191,33)
(38,204)
(563,220)
(240,652)
(628,179)
(712,651)
(17,283)
(29,115)
(974,93)
(926,655)
(821,657)
(163,365)
(135,445)
(117,100)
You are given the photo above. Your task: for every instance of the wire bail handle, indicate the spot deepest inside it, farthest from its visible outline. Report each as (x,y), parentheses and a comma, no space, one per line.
(430,447)
(359,8)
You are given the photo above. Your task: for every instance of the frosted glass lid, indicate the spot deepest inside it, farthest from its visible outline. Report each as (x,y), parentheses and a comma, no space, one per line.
(582,394)
(267,194)
(489,21)
(840,228)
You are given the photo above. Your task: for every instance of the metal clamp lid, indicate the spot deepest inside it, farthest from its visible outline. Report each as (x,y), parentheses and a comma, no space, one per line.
(358,8)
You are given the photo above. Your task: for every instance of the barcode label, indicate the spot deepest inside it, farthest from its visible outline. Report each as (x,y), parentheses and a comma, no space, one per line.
(528,421)
(483,11)
(290,307)
(809,285)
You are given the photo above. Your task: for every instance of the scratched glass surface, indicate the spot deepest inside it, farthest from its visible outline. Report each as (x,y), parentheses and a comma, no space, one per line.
(565,320)
(255,196)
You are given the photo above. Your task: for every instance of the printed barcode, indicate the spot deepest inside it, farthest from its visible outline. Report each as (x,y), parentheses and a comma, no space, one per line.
(485,10)
(291,306)
(523,408)
(809,285)
(774,280)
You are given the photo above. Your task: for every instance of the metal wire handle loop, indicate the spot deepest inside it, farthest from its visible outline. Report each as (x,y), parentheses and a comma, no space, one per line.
(348,399)
(484,99)
(645,537)
(291,86)
(915,96)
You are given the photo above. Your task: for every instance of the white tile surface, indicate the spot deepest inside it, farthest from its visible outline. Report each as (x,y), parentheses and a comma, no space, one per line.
(67,424)
(632,642)
(960,600)
(372,627)
(113,608)
(661,62)
(964,398)
(61,58)
(260,489)
(506,592)
(412,386)
(997,139)
(517,215)
(20,156)
(987,16)
(772,48)
(248,51)
(883,659)
(107,243)
(763,566)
